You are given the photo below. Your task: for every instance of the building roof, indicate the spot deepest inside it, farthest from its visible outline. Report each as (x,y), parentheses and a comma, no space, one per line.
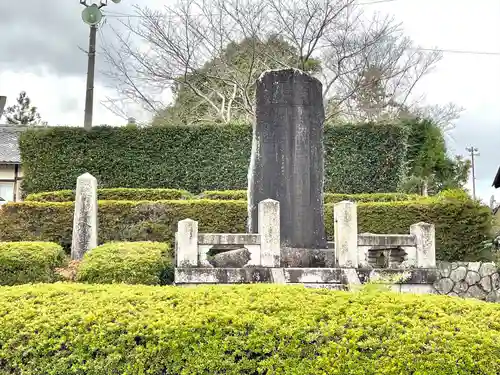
(9,144)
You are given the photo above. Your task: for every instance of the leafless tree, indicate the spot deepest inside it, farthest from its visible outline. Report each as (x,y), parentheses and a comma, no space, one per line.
(186,44)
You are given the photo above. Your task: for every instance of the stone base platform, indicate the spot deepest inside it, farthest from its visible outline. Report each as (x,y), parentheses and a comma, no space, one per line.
(414,280)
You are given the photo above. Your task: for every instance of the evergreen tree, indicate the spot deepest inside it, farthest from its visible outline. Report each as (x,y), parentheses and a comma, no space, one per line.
(23,113)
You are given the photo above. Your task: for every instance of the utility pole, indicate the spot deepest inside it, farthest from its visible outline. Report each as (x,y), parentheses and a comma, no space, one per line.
(3,101)
(89,95)
(92,16)
(473,151)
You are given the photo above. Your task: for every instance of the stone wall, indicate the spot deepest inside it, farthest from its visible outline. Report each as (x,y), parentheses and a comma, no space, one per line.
(470,280)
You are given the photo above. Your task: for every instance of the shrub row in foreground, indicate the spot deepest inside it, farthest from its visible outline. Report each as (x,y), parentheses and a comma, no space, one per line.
(258,329)
(29,262)
(148,263)
(119,194)
(460,225)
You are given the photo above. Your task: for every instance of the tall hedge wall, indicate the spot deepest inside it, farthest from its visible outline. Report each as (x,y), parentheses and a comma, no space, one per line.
(460,225)
(359,158)
(80,329)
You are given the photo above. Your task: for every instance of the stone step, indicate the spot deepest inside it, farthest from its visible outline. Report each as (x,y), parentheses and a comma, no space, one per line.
(342,276)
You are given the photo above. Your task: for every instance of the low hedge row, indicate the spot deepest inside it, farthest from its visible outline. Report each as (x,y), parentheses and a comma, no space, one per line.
(148,263)
(259,329)
(328,197)
(118,194)
(460,225)
(29,262)
(130,194)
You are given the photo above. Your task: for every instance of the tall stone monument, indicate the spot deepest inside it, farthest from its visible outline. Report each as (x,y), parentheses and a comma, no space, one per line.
(3,101)
(287,159)
(85,216)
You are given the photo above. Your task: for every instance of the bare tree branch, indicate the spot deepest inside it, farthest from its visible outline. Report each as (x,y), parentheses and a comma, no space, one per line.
(209,53)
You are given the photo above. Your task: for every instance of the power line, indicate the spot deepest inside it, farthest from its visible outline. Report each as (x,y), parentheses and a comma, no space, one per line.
(466,52)
(443,50)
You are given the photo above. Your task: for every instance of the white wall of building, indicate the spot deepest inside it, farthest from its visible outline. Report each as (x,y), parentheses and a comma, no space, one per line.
(10,182)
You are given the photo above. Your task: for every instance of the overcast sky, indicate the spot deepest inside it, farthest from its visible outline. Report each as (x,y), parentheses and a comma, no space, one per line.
(40,54)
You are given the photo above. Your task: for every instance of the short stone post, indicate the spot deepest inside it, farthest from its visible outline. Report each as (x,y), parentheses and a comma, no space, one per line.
(346,234)
(269,230)
(85,216)
(425,236)
(187,243)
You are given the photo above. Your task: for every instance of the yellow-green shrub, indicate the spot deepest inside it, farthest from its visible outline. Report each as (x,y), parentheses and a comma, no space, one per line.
(461,226)
(29,262)
(118,194)
(328,197)
(148,263)
(63,329)
(456,194)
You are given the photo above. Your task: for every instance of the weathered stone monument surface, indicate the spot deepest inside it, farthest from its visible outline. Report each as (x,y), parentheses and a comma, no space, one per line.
(287,159)
(85,217)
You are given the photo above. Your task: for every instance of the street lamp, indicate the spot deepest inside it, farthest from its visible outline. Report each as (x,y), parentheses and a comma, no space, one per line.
(92,16)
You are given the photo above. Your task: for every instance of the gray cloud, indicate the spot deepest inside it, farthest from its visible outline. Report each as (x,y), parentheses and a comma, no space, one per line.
(46,33)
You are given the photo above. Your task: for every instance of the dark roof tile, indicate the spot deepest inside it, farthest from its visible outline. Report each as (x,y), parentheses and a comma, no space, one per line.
(9,144)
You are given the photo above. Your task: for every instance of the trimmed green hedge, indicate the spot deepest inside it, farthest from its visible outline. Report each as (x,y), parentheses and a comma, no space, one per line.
(359,158)
(328,197)
(365,158)
(29,262)
(120,220)
(460,225)
(66,329)
(129,194)
(148,263)
(115,194)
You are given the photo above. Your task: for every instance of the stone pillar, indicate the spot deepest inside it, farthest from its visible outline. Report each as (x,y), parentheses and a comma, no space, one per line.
(425,237)
(85,216)
(287,156)
(186,252)
(269,230)
(346,234)
(363,256)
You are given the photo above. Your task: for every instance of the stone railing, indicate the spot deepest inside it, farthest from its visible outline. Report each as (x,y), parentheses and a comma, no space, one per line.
(395,251)
(264,247)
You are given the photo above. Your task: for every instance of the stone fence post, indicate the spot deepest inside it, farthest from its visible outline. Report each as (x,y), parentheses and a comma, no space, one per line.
(346,234)
(186,246)
(269,230)
(425,236)
(84,237)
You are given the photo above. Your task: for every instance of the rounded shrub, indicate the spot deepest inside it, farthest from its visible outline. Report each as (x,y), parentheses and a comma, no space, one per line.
(65,329)
(147,263)
(29,262)
(454,194)
(118,194)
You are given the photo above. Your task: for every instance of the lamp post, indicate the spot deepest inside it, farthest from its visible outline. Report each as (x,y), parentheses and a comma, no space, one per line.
(91,15)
